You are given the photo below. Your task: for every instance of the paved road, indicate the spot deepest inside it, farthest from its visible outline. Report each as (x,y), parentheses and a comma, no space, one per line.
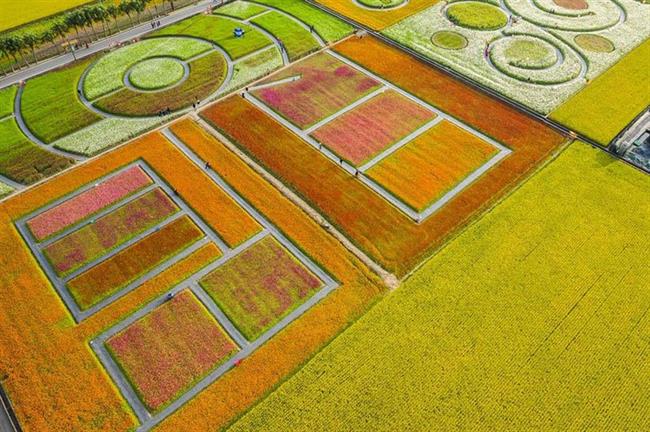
(103,44)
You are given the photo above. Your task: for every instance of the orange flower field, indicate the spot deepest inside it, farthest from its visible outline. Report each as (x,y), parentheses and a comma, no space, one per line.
(376,19)
(376,226)
(53,376)
(435,161)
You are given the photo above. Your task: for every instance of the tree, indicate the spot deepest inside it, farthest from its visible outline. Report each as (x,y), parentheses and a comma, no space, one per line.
(171,2)
(126,8)
(99,14)
(75,19)
(138,6)
(114,12)
(30,41)
(5,51)
(60,29)
(49,36)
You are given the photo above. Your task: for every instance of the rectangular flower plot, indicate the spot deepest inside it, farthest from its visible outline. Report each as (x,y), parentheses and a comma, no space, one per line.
(108,232)
(365,131)
(425,169)
(170,349)
(322,86)
(109,276)
(260,286)
(84,205)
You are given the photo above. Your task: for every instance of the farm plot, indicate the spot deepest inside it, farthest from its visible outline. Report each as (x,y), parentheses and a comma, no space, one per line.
(260,286)
(424,170)
(538,53)
(493,148)
(313,89)
(169,349)
(367,131)
(295,39)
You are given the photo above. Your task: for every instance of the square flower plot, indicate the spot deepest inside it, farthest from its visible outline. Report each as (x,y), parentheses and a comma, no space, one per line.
(314,89)
(433,168)
(260,286)
(169,349)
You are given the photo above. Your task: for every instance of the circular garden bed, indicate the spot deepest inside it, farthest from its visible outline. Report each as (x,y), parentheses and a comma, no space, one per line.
(156,73)
(476,16)
(594,43)
(449,40)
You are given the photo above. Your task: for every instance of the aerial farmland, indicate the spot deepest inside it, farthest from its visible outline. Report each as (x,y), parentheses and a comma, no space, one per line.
(324,215)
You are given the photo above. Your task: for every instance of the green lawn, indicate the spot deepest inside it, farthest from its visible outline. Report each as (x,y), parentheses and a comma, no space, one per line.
(240,9)
(327,26)
(23,161)
(296,40)
(220,31)
(7,101)
(50,104)
(607,104)
(534,319)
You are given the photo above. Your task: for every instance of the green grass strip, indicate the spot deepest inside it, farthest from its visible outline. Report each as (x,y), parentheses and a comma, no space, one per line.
(23,161)
(219,30)
(7,95)
(296,39)
(329,28)
(50,104)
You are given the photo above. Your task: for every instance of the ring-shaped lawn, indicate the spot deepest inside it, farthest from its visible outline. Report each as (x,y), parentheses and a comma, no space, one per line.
(107,74)
(156,73)
(206,75)
(476,16)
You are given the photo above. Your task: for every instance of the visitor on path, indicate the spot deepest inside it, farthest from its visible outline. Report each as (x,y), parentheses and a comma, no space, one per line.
(311,28)
(194,106)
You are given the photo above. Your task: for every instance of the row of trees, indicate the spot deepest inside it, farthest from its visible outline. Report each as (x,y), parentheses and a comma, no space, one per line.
(15,46)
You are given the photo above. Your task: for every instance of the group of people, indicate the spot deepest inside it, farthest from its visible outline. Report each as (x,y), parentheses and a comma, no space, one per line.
(155,24)
(164,112)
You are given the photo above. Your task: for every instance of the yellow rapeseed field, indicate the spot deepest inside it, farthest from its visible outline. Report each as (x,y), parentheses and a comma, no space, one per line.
(607,104)
(15,13)
(534,318)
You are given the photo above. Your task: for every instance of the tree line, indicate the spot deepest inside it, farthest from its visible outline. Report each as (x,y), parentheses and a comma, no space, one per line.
(15,46)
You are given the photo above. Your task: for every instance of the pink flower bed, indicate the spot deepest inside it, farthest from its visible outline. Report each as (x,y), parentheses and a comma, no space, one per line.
(326,85)
(362,133)
(89,202)
(110,231)
(260,286)
(170,349)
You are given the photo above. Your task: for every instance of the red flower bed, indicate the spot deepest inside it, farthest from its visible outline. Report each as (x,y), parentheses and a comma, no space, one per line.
(260,286)
(362,133)
(117,227)
(165,352)
(88,203)
(326,85)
